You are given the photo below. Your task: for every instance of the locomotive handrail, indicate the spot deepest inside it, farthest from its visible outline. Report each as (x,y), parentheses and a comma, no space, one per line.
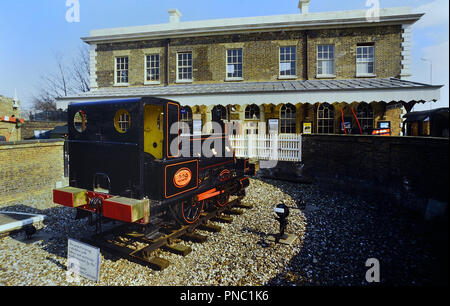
(105,142)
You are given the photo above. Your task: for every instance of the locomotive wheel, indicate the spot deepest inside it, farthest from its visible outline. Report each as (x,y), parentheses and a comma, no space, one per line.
(188,211)
(223,200)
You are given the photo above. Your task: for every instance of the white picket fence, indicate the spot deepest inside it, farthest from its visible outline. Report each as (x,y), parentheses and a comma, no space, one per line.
(283,147)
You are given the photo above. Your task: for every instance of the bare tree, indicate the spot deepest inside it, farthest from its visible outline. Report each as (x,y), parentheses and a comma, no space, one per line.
(44,101)
(69,78)
(80,72)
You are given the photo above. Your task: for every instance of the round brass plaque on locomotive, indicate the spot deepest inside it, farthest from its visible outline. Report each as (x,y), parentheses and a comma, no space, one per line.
(182,178)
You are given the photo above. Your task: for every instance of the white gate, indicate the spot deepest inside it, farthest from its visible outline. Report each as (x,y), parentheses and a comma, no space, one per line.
(283,147)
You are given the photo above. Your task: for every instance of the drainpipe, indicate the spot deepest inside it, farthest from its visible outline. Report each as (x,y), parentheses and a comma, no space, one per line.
(305,56)
(166,51)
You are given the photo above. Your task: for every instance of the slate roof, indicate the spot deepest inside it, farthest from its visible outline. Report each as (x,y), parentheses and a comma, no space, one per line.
(397,15)
(253,87)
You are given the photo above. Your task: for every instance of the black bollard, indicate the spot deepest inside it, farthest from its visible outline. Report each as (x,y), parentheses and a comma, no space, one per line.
(282,212)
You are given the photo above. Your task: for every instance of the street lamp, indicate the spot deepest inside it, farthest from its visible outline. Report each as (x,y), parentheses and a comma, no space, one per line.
(431,74)
(431,68)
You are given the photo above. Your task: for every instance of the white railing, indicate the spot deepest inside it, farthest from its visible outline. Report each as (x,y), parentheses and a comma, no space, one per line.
(284,147)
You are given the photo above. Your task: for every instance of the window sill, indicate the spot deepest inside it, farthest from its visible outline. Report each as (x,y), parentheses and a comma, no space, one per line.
(233,79)
(121,84)
(369,75)
(152,83)
(325,76)
(183,81)
(290,77)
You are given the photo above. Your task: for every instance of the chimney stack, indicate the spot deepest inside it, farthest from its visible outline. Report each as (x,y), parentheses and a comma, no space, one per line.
(174,16)
(303,5)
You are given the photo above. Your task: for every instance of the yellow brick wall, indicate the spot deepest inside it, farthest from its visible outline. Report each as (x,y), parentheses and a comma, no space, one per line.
(29,127)
(260,54)
(30,167)
(386,39)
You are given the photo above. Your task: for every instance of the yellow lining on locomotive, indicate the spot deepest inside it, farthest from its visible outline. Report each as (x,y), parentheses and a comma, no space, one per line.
(153,130)
(122,121)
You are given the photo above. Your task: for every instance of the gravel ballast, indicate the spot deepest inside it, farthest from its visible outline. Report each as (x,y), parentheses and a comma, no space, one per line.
(335,233)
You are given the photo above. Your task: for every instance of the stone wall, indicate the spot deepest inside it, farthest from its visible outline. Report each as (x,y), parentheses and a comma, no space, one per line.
(30,168)
(260,54)
(407,170)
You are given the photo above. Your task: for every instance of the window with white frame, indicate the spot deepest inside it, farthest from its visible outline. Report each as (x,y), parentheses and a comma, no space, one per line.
(288,119)
(325,119)
(325,60)
(234,64)
(288,61)
(122,70)
(365,60)
(152,68)
(184,67)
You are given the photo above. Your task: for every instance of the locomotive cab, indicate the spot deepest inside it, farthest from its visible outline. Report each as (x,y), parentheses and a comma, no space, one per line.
(108,139)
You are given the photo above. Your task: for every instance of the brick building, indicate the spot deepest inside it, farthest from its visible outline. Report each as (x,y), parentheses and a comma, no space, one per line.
(9,107)
(287,74)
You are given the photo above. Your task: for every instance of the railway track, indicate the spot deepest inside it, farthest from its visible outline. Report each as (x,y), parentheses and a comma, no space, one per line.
(140,248)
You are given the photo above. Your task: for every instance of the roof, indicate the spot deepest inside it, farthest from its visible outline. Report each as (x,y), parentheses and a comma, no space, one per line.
(422,115)
(388,89)
(400,15)
(249,87)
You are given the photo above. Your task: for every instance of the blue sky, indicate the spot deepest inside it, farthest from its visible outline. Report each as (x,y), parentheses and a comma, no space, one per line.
(32,32)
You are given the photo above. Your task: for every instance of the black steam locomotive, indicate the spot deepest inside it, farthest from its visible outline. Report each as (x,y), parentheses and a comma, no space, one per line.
(129,161)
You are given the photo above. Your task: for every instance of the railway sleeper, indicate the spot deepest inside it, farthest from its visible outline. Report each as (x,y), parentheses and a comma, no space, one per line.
(233,212)
(154,262)
(212,228)
(222,219)
(178,249)
(243,205)
(194,237)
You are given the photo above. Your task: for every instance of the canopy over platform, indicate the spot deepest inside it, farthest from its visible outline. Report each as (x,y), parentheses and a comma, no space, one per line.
(294,91)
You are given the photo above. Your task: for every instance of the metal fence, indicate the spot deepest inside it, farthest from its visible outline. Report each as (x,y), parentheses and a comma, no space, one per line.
(48,116)
(282,147)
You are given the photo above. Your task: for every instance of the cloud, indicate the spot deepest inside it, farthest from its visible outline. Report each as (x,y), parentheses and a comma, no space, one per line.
(436,14)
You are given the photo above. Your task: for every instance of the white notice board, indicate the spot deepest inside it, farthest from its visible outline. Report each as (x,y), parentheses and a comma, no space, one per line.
(83,260)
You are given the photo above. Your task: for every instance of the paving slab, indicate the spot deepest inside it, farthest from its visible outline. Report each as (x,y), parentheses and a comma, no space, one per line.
(12,221)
